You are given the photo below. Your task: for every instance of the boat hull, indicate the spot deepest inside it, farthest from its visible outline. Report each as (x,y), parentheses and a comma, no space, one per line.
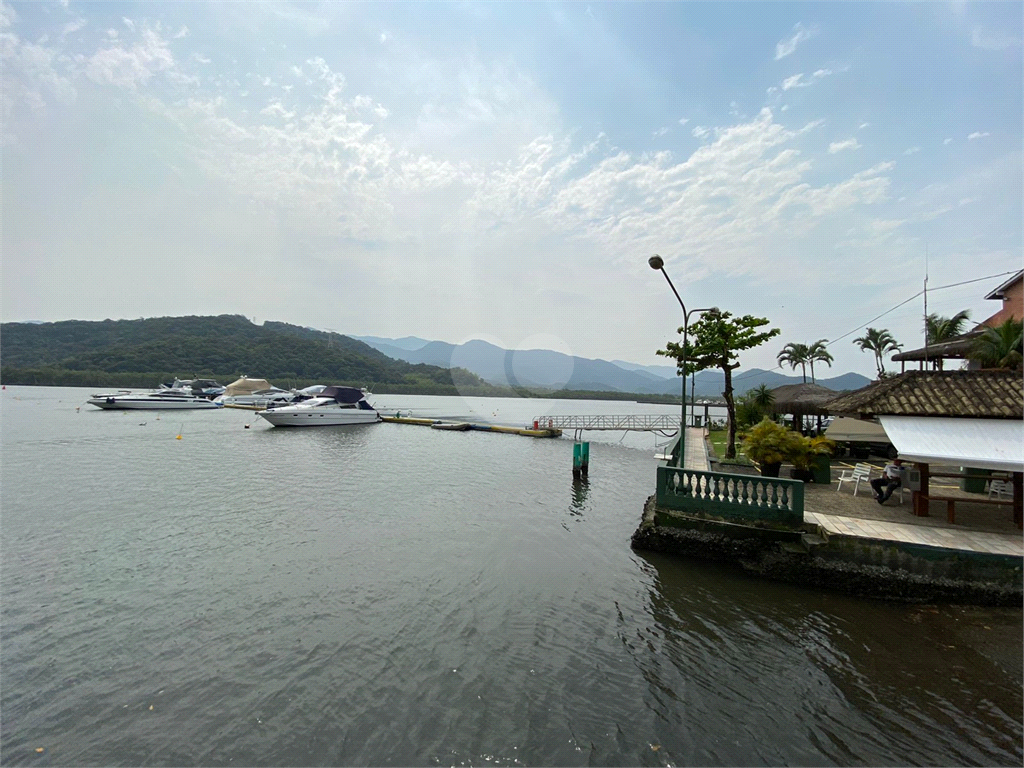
(316,417)
(128,403)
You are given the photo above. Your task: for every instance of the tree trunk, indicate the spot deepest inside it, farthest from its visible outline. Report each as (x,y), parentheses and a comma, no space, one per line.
(730,407)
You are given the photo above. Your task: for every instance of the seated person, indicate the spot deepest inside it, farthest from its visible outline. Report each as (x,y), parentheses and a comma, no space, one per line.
(891,479)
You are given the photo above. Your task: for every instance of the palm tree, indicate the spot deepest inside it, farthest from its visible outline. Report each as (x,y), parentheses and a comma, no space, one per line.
(754,405)
(1000,347)
(764,398)
(795,354)
(938,329)
(879,341)
(819,352)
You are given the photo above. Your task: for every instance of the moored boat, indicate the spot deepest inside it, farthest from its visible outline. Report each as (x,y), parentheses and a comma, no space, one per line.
(158,400)
(253,394)
(334,406)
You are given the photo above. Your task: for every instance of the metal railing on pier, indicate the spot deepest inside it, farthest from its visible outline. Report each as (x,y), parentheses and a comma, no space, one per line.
(637,423)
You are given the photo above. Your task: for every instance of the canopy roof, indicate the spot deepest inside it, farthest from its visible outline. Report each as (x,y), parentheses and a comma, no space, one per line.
(246,386)
(802,398)
(342,394)
(864,430)
(956,348)
(976,443)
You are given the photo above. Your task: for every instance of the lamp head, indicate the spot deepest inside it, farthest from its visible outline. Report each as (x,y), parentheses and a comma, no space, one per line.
(656,262)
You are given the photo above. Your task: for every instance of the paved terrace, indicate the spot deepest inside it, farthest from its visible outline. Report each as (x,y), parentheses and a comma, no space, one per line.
(978,527)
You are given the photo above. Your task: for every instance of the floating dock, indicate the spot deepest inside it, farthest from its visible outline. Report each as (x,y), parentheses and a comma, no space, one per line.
(466,426)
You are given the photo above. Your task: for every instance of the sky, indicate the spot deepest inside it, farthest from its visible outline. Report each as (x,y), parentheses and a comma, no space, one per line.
(503,171)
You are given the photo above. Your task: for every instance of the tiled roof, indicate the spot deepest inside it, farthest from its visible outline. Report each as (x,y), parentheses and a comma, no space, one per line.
(973,394)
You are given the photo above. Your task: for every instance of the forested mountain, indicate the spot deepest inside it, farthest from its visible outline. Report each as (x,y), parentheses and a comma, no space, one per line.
(226,346)
(540,368)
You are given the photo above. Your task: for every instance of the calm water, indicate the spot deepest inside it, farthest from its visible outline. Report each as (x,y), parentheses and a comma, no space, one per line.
(396,595)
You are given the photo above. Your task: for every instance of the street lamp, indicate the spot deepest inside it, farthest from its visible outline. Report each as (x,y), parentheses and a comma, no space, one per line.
(658,263)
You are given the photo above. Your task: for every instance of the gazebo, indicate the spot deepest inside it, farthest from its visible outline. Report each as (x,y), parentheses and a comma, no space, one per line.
(802,400)
(969,419)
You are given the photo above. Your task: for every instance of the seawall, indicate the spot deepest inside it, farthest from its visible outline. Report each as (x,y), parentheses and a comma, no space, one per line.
(873,568)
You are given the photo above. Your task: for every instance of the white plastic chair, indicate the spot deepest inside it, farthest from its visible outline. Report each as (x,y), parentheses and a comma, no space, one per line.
(1000,488)
(855,475)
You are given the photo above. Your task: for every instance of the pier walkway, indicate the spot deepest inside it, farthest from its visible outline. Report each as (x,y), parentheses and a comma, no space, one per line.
(696,450)
(630,423)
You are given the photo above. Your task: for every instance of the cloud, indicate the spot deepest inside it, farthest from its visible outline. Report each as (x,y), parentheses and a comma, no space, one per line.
(793,82)
(786,47)
(128,22)
(911,151)
(839,146)
(31,77)
(947,141)
(797,81)
(275,108)
(659,132)
(993,40)
(978,135)
(862,126)
(71,27)
(130,67)
(183,32)
(8,16)
(684,120)
(700,132)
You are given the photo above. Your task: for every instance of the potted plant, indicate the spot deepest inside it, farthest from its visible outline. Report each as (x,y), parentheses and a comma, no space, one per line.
(806,455)
(769,444)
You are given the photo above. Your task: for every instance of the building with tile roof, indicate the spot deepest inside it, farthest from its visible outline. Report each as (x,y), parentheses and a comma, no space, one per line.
(968,419)
(965,394)
(1011,293)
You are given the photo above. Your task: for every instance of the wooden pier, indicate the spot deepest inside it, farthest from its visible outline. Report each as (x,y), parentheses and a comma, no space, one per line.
(467,426)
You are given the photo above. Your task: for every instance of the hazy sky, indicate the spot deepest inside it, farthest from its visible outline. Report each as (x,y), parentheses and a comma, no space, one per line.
(503,171)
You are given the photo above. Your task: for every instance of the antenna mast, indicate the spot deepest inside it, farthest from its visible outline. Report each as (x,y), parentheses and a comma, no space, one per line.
(926,304)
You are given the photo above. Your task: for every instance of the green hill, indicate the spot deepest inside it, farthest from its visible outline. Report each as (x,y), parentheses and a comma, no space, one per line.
(149,351)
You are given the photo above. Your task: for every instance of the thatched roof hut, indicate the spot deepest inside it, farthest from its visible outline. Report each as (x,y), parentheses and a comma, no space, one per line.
(802,400)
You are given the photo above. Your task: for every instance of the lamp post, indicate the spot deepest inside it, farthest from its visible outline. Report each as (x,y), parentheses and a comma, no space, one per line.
(657,263)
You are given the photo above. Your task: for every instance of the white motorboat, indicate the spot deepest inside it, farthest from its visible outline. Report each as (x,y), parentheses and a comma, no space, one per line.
(253,394)
(158,400)
(332,407)
(207,388)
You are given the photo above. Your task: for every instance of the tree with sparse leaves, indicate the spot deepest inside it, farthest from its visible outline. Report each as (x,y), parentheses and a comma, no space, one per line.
(715,341)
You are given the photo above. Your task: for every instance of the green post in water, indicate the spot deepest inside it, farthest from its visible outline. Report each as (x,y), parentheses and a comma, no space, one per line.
(584,457)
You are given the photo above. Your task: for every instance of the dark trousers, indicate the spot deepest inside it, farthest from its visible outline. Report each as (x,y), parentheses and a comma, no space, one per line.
(888,484)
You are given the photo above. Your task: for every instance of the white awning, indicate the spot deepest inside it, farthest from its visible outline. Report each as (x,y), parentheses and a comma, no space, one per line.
(853,430)
(977,443)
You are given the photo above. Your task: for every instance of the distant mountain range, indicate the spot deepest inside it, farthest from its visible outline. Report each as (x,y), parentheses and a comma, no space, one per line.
(555,370)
